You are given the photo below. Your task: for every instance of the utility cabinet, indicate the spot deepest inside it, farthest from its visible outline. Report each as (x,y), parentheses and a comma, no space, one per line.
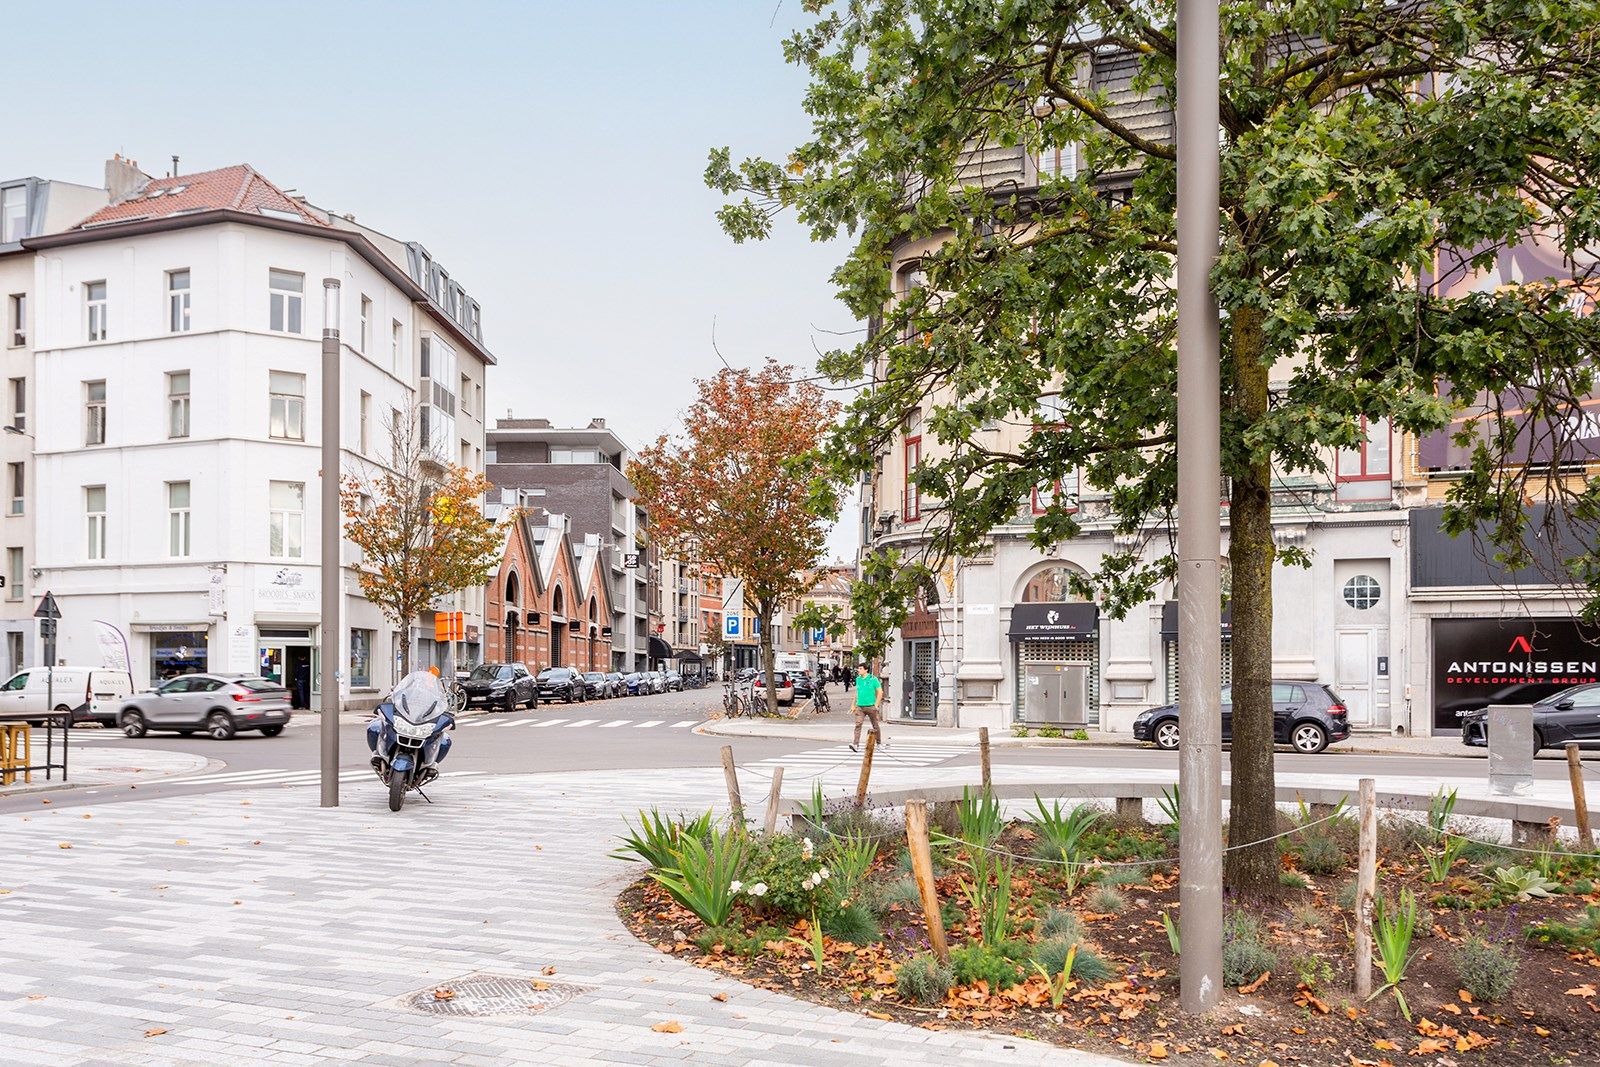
(1056,693)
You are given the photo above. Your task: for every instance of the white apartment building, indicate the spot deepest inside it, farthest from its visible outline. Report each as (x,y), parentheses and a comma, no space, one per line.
(177,410)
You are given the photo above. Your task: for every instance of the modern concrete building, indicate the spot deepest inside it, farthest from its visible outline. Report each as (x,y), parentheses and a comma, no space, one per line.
(177,367)
(579,472)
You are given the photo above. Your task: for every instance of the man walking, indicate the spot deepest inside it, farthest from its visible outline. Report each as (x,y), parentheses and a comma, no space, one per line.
(869,698)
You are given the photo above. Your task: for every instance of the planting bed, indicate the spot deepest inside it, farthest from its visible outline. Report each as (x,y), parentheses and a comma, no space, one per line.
(1502,969)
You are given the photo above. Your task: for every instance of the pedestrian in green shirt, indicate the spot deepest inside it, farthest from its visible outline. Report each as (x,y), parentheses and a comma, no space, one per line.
(869,700)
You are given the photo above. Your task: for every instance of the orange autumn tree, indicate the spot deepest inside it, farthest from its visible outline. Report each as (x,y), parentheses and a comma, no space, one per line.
(419,523)
(730,493)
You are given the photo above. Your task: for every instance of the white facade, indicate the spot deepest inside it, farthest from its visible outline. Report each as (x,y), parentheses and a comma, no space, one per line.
(235,575)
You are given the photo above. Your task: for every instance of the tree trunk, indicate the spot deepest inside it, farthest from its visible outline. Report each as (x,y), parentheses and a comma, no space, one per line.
(405,648)
(1253,813)
(765,609)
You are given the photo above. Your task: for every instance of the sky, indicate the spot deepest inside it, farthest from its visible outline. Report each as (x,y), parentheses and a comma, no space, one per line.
(548,154)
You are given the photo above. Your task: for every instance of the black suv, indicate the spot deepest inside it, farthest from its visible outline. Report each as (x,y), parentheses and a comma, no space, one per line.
(1570,715)
(1308,717)
(506,686)
(562,683)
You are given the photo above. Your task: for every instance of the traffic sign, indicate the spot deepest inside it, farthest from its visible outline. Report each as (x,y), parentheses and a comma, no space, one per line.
(732,628)
(47,608)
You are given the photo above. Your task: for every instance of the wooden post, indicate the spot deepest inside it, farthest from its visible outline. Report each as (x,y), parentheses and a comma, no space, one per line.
(772,801)
(866,768)
(1366,886)
(1580,802)
(732,776)
(922,870)
(983,754)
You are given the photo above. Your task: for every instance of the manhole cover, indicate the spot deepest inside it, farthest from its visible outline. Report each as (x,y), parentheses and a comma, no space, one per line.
(492,994)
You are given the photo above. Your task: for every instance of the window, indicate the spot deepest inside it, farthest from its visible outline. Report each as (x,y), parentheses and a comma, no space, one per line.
(361,657)
(17,321)
(366,323)
(288,416)
(286,503)
(177,519)
(286,300)
(395,345)
(1063,491)
(94,426)
(19,403)
(576,455)
(438,410)
(94,509)
(178,404)
(16,477)
(1362,592)
(13,214)
(366,419)
(13,574)
(94,296)
(1059,162)
(1050,411)
(177,301)
(1362,473)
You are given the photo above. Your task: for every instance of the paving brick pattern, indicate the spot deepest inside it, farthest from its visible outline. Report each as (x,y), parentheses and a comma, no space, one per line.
(249,926)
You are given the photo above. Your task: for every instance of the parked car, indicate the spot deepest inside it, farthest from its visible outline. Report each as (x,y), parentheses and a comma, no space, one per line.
(1308,717)
(746,673)
(636,683)
(220,704)
(88,693)
(594,685)
(562,683)
(506,686)
(783,684)
(1570,715)
(804,687)
(655,682)
(615,686)
(674,681)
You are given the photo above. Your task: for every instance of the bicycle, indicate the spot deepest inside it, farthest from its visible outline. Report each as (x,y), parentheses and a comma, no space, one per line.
(733,705)
(457,695)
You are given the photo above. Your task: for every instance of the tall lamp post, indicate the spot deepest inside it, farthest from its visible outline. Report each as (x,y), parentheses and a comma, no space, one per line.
(1199,527)
(332,563)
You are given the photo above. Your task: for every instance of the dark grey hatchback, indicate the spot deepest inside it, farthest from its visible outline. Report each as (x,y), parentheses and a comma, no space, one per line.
(1308,717)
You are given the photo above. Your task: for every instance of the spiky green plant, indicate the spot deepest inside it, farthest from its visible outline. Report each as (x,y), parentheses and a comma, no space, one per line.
(1442,858)
(1392,931)
(1439,811)
(1170,806)
(656,839)
(703,873)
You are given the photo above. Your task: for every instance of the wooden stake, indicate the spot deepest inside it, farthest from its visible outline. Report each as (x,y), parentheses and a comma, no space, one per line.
(866,769)
(922,870)
(983,754)
(1580,802)
(732,776)
(772,801)
(1366,886)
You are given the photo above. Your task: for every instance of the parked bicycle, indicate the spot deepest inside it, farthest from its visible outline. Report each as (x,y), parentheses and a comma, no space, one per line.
(457,695)
(734,702)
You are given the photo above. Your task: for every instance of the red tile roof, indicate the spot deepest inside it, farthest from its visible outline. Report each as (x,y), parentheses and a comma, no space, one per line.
(237,188)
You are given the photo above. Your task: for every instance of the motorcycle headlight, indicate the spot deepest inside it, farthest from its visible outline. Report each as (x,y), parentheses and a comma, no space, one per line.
(414,730)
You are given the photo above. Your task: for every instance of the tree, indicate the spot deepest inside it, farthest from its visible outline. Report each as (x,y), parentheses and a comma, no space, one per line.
(1369,150)
(419,523)
(733,492)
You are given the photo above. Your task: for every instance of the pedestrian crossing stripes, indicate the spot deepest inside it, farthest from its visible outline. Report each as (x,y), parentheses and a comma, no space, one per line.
(567,724)
(283,776)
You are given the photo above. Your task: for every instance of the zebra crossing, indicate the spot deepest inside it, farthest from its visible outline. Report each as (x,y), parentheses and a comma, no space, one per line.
(818,761)
(506,723)
(283,776)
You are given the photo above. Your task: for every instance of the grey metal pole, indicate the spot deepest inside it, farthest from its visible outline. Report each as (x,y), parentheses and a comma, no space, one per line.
(332,571)
(1199,526)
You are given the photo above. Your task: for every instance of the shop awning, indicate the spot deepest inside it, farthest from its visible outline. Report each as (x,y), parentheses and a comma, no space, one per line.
(1071,622)
(688,656)
(1169,621)
(659,649)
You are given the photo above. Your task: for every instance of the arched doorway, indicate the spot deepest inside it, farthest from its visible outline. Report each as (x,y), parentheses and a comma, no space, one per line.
(509,641)
(1055,640)
(594,632)
(558,628)
(919,671)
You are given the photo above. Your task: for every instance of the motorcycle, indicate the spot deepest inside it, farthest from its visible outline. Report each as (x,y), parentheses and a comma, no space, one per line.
(407,736)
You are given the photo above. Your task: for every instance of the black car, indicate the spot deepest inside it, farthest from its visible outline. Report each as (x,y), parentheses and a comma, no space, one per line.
(1308,717)
(506,686)
(562,683)
(615,686)
(1570,715)
(595,686)
(803,685)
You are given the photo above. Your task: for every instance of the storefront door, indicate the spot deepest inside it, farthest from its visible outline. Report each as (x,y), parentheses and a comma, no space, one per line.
(921,683)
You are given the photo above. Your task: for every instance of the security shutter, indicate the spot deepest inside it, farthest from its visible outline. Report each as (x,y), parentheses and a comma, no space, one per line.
(1172,667)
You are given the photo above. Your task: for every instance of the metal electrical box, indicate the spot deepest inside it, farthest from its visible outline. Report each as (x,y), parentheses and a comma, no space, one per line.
(1056,693)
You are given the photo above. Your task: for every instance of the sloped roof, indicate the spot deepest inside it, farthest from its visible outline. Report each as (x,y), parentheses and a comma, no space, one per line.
(237,188)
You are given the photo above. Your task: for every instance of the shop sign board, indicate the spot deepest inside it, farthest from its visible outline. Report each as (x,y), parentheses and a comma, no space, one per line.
(1479,662)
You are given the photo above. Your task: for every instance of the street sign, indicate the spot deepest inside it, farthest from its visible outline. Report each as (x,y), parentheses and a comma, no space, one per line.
(449,626)
(47,608)
(630,560)
(732,625)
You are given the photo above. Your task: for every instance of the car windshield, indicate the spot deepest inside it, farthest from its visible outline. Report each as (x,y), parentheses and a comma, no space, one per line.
(1557,697)
(487,673)
(553,674)
(419,697)
(256,685)
(594,676)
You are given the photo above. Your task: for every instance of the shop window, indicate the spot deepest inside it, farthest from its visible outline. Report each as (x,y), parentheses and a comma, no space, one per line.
(177,653)
(361,658)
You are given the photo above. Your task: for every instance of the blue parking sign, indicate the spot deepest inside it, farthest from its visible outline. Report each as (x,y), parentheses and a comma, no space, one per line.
(733,625)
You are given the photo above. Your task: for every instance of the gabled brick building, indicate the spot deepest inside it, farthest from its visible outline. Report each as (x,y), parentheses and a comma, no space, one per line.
(548,606)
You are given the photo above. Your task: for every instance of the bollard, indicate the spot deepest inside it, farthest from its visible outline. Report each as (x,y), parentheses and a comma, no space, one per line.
(922,871)
(866,769)
(983,754)
(1366,886)
(1580,802)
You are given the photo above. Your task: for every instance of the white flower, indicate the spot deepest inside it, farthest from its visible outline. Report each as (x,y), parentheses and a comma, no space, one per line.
(806,847)
(759,889)
(822,874)
(735,886)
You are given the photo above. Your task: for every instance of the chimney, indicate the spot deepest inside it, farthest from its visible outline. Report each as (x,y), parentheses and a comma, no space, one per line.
(174,166)
(597,424)
(123,178)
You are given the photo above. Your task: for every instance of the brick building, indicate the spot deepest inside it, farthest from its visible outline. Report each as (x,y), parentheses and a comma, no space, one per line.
(549,605)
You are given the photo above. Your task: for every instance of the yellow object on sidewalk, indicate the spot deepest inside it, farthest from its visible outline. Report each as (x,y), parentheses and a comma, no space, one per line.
(16,750)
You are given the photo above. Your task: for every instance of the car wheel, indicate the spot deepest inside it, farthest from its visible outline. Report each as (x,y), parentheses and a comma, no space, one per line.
(1167,734)
(133,724)
(1538,741)
(271,731)
(1309,738)
(511,702)
(569,696)
(219,726)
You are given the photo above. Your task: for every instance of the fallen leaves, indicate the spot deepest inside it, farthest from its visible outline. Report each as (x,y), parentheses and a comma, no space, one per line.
(64,845)
(720,997)
(444,994)
(1157,1050)
(1257,984)
(548,971)
(1585,990)
(671,1026)
(155,1031)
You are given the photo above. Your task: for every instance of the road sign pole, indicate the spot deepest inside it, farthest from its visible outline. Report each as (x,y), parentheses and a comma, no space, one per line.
(332,563)
(47,613)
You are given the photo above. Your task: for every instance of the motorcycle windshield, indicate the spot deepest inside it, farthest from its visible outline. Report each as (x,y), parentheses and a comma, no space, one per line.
(419,697)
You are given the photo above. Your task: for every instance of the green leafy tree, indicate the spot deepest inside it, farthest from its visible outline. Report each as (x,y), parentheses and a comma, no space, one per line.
(1364,148)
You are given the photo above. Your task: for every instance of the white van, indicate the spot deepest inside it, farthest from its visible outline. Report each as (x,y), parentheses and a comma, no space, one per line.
(88,692)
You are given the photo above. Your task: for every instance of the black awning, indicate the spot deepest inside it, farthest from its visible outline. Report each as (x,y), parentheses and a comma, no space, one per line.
(659,649)
(688,656)
(1169,620)
(1072,622)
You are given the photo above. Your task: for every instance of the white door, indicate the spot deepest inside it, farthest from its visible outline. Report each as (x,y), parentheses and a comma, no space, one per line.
(1352,680)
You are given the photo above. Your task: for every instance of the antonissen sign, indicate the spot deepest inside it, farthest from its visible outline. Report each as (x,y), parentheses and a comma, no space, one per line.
(1477,662)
